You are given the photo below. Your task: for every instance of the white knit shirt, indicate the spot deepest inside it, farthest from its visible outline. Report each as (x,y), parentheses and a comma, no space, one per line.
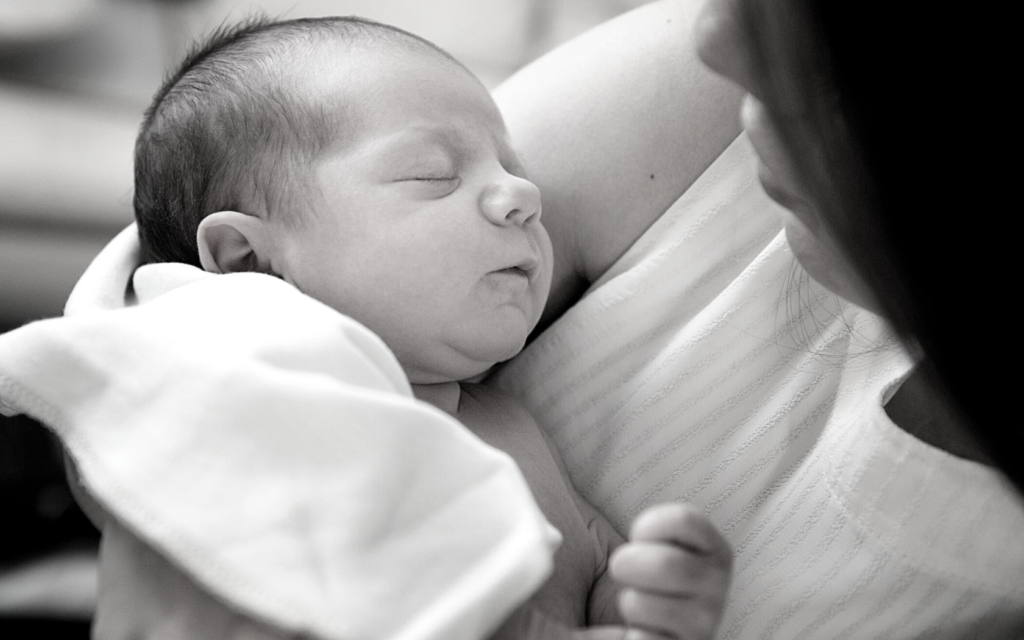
(705,367)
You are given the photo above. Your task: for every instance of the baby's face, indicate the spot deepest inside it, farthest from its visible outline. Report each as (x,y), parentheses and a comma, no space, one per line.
(427,232)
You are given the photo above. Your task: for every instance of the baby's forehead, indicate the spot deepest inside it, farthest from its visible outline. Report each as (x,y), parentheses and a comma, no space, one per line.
(386,102)
(337,61)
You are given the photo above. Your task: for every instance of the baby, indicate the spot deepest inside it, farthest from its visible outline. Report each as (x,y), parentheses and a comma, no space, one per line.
(368,168)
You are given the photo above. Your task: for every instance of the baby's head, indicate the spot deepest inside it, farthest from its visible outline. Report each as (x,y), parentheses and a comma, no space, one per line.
(365,166)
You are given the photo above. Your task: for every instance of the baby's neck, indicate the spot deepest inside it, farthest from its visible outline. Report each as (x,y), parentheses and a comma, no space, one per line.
(444,395)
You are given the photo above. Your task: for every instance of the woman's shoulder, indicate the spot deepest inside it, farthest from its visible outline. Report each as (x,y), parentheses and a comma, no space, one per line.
(613,127)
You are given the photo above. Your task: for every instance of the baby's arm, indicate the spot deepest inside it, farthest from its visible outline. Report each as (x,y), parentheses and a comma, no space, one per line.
(668,581)
(675,571)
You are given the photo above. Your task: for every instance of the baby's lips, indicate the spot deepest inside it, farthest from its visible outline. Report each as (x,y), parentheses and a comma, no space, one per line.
(529,265)
(527,260)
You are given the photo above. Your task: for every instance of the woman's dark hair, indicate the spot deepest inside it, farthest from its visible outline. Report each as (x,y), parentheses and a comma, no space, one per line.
(896,139)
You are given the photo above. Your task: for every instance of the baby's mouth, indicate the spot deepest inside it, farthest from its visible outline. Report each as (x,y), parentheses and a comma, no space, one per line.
(525,266)
(515,278)
(514,271)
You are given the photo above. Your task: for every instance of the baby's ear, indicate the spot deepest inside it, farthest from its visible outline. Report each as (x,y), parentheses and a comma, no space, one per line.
(230,242)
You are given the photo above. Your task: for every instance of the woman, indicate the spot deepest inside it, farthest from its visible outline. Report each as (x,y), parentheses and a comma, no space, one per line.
(855,474)
(817,92)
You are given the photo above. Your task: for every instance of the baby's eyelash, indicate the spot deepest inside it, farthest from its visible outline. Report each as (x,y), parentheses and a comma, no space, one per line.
(433,186)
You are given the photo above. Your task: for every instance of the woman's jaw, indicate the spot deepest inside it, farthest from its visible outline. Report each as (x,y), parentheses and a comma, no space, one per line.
(807,236)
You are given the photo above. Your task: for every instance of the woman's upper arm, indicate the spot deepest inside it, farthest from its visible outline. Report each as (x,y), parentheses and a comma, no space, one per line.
(613,127)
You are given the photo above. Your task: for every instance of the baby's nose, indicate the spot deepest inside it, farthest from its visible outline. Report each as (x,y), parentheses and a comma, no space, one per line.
(513,200)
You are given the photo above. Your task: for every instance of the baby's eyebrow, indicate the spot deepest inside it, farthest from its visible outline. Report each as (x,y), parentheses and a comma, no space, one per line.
(452,142)
(421,137)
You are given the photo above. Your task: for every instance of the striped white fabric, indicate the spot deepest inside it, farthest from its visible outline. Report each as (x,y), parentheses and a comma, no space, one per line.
(706,367)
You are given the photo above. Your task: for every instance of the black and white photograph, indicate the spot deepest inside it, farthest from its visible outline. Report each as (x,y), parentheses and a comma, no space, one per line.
(508,320)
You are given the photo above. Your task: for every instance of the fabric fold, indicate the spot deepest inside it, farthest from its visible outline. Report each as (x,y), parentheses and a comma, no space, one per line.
(272,449)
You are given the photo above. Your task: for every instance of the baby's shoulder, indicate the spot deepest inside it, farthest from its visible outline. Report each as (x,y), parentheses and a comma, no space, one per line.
(587,538)
(500,421)
(489,412)
(503,423)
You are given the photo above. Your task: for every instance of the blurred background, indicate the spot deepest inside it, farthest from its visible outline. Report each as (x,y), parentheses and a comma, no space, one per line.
(75,77)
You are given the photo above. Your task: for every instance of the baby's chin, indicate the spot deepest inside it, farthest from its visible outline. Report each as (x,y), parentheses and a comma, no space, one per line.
(461,364)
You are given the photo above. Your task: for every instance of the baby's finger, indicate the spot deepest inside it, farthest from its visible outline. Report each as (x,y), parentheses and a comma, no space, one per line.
(682,524)
(686,619)
(668,569)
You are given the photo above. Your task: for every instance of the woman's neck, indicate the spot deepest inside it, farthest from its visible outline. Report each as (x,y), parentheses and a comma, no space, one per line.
(444,395)
(928,415)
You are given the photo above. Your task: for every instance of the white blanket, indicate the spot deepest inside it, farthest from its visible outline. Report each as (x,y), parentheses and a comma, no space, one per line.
(272,449)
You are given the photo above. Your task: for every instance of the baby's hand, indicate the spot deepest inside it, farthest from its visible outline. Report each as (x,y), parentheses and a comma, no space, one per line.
(675,572)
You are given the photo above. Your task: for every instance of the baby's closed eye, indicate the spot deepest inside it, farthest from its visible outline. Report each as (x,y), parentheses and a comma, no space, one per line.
(431,185)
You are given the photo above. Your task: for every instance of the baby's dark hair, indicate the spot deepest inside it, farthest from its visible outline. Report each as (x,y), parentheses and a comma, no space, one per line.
(230,129)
